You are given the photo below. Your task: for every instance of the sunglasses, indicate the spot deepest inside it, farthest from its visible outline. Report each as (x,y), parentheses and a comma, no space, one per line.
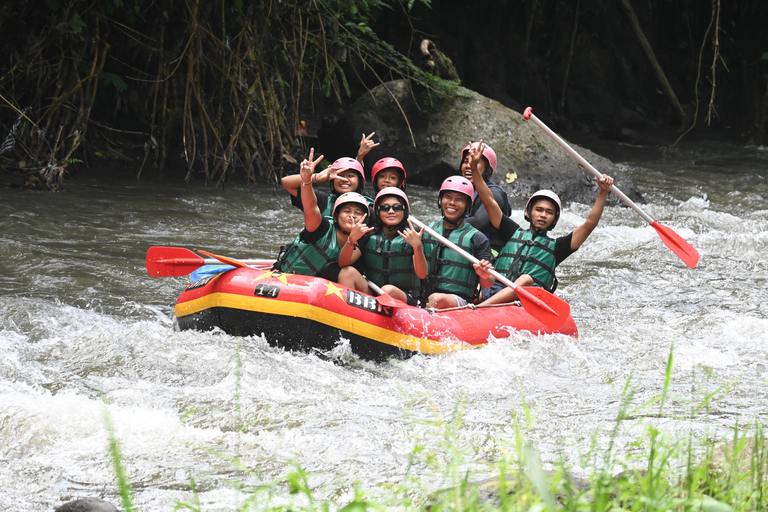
(399,207)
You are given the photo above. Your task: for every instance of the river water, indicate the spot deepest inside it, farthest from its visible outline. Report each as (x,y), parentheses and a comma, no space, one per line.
(86,337)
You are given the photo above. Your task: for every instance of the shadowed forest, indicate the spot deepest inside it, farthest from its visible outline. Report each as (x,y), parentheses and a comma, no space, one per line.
(223,90)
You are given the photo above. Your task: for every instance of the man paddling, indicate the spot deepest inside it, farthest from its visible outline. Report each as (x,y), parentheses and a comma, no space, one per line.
(529,256)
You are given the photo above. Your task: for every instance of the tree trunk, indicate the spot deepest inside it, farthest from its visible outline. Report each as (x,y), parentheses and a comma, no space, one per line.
(646,46)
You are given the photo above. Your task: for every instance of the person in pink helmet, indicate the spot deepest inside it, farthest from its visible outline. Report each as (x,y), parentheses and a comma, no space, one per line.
(344,175)
(315,251)
(388,172)
(392,252)
(478,215)
(529,256)
(452,281)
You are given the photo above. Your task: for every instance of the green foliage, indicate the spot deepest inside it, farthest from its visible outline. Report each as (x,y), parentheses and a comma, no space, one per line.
(115,455)
(114,80)
(222,83)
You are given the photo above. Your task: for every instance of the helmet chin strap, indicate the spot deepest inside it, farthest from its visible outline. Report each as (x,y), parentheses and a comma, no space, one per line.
(452,223)
(539,232)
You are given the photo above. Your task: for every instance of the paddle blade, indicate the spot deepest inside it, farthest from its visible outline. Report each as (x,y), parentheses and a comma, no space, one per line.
(683,249)
(172,261)
(224,259)
(548,309)
(389,301)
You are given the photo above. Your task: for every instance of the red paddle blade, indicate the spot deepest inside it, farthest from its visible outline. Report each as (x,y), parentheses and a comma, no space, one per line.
(389,301)
(548,309)
(224,259)
(683,249)
(172,261)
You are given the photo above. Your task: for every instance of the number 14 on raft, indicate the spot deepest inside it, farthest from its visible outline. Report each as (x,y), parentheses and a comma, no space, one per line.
(680,247)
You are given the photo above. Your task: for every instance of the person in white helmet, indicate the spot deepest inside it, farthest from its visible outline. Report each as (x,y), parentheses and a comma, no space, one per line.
(315,251)
(529,256)
(452,281)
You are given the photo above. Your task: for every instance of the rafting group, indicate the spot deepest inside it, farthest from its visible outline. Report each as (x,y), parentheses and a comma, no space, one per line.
(369,271)
(368,244)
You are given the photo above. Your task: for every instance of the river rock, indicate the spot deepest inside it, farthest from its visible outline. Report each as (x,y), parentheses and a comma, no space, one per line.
(87,505)
(427,131)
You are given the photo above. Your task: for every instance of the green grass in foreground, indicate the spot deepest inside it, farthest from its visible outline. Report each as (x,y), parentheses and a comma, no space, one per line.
(660,475)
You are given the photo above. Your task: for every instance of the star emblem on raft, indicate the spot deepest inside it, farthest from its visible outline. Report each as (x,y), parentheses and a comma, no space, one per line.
(268,274)
(333,290)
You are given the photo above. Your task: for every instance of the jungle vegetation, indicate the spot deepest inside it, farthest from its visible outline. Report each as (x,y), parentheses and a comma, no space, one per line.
(220,89)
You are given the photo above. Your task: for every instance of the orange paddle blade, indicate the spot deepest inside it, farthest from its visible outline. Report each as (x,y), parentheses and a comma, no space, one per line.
(547,308)
(683,249)
(172,261)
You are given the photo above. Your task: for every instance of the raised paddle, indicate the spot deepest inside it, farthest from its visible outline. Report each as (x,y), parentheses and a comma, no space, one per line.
(548,309)
(177,261)
(683,249)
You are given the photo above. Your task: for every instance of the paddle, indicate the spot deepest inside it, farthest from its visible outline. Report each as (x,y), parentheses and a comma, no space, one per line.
(385,299)
(177,261)
(680,247)
(548,309)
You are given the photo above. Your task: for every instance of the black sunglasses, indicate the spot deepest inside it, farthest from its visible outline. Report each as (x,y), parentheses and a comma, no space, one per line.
(399,207)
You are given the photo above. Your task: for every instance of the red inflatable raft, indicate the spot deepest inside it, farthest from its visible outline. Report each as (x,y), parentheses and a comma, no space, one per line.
(300,313)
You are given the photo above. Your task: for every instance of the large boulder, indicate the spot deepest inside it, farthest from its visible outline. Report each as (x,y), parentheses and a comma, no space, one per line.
(427,131)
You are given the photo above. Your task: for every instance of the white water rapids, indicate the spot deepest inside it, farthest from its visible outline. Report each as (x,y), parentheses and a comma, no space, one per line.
(84,332)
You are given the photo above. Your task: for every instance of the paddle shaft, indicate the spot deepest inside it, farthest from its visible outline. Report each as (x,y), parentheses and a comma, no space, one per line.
(459,250)
(529,115)
(373,286)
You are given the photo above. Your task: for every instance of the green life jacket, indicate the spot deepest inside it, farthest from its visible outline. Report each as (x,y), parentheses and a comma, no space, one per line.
(309,259)
(390,262)
(525,253)
(449,272)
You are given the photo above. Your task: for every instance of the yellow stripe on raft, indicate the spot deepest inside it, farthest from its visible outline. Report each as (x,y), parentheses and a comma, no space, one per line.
(339,321)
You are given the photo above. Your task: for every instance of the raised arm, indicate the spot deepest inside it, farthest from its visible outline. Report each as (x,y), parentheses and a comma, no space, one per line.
(293,182)
(312,215)
(366,145)
(581,233)
(483,190)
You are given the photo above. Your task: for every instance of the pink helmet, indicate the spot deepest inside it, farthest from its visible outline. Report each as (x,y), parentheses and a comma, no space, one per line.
(346,163)
(457,184)
(386,163)
(544,194)
(488,153)
(391,191)
(349,197)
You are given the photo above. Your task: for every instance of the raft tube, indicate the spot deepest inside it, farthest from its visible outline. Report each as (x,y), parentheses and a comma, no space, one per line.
(302,313)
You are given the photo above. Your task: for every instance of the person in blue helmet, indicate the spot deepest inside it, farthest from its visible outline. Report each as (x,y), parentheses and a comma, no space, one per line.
(529,255)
